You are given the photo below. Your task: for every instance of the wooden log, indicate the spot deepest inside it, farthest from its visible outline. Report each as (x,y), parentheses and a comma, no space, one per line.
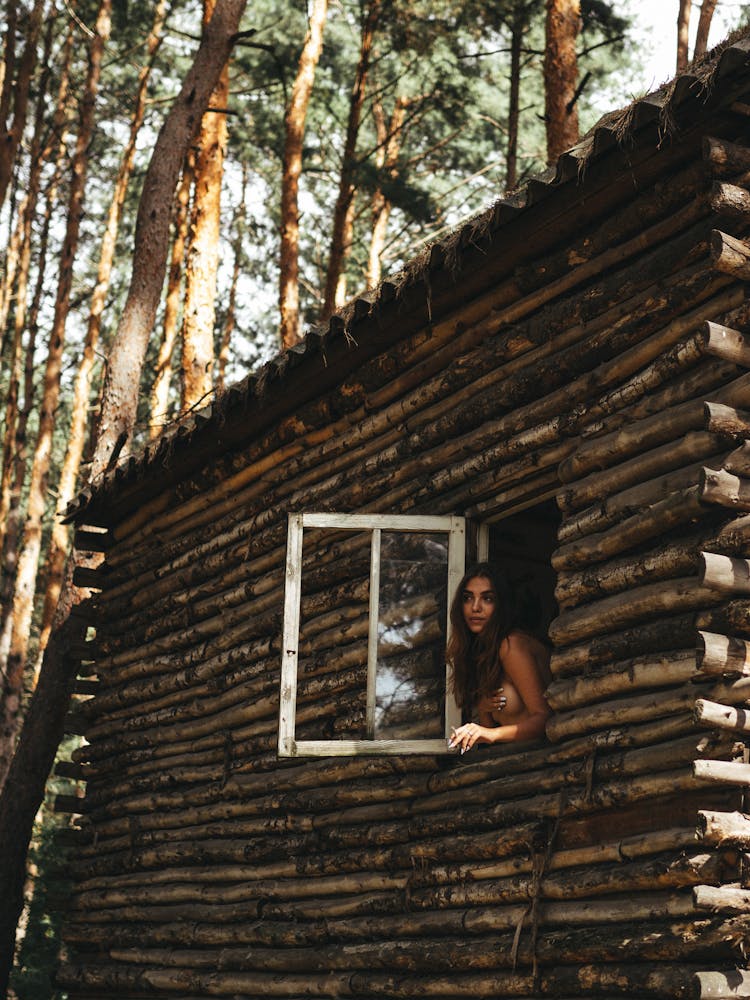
(727,343)
(634,709)
(651,430)
(727,420)
(721,899)
(715,715)
(726,772)
(729,199)
(732,618)
(724,829)
(686,450)
(672,633)
(722,488)
(738,461)
(722,654)
(675,559)
(620,610)
(446,953)
(730,255)
(724,574)
(723,985)
(661,517)
(632,674)
(725,157)
(616,508)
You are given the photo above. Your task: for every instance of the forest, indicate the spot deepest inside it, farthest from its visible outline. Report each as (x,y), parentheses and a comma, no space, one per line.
(185,190)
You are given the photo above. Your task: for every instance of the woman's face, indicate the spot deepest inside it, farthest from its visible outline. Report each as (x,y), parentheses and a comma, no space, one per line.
(478,601)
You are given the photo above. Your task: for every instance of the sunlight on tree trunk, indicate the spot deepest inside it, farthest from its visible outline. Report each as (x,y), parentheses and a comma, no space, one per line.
(23,597)
(386,160)
(59,543)
(11,140)
(121,388)
(294,130)
(16,453)
(159,399)
(683,38)
(199,317)
(704,26)
(37,156)
(344,211)
(561,76)
(514,95)
(231,318)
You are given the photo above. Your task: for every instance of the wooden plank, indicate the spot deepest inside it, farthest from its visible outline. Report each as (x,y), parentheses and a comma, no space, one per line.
(292,599)
(372,635)
(386,522)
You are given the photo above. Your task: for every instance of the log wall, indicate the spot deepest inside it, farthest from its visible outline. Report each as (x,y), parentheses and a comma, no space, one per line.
(611,374)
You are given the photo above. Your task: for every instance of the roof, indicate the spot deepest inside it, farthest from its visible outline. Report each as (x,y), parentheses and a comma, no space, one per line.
(447,273)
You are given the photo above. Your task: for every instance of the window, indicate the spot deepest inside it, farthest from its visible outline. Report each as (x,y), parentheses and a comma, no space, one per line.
(365,628)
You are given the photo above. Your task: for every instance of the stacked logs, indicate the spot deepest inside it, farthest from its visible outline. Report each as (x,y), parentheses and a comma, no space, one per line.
(609,374)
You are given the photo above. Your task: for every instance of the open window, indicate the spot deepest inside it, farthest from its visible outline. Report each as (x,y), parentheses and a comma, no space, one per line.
(365,630)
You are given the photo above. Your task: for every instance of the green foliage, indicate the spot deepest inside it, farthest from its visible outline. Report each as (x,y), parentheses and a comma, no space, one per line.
(47,887)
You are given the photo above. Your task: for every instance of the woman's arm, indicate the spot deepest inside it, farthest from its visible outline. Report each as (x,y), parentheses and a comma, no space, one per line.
(522,670)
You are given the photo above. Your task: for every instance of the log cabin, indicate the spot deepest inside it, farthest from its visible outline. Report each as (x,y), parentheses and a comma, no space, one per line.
(563,385)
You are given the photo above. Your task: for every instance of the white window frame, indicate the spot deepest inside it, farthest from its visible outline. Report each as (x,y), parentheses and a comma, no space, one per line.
(289,746)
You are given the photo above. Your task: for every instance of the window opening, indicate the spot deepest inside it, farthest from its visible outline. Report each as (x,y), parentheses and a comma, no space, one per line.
(365,630)
(522,545)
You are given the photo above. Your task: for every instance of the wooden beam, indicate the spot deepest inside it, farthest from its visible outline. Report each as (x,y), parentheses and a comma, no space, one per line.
(722,654)
(724,342)
(725,157)
(730,255)
(717,716)
(724,489)
(729,199)
(720,828)
(738,461)
(727,420)
(724,772)
(727,574)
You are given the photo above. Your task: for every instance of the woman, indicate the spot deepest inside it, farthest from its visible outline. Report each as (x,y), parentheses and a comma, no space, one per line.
(499,671)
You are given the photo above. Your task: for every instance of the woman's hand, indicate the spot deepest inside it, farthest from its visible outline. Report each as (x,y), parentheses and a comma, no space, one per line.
(495,701)
(467,735)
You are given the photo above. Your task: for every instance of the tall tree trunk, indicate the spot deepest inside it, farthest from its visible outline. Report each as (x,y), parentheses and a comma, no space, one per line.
(10,136)
(120,399)
(8,284)
(199,318)
(389,143)
(561,76)
(704,26)
(159,399)
(683,38)
(514,98)
(15,453)
(294,130)
(8,71)
(231,317)
(23,597)
(58,549)
(343,213)
(37,157)
(43,726)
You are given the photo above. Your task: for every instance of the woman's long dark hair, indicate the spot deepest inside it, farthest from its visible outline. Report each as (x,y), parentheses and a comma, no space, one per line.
(475,659)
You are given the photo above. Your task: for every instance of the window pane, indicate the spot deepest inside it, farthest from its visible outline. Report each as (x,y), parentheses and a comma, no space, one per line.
(334,617)
(410,679)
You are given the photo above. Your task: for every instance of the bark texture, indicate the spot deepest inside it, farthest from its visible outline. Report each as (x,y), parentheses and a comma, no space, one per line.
(294,131)
(561,76)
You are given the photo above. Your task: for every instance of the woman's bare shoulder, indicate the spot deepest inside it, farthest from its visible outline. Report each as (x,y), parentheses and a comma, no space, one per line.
(522,641)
